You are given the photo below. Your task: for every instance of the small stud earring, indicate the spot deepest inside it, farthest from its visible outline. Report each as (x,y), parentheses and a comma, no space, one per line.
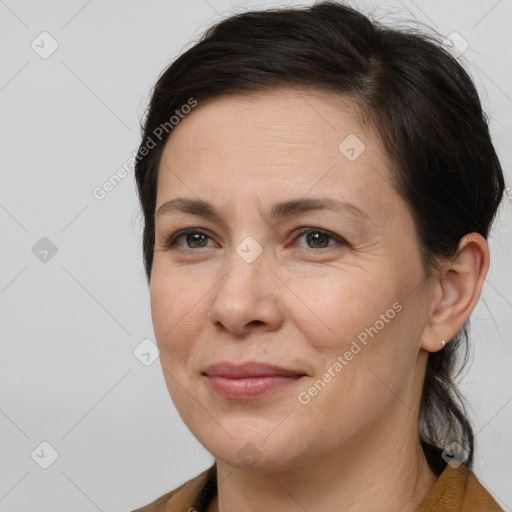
(443,342)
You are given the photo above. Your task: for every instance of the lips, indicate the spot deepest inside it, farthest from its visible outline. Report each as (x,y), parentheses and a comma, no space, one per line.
(249,380)
(249,370)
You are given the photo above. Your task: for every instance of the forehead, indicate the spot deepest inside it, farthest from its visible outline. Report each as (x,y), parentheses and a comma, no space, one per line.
(284,141)
(284,120)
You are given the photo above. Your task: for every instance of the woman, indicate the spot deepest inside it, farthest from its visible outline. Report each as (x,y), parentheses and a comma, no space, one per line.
(315,241)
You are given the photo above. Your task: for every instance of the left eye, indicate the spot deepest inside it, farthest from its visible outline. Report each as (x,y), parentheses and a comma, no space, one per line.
(318,238)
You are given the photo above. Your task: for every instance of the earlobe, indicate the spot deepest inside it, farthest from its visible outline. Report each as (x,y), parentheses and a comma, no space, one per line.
(459,285)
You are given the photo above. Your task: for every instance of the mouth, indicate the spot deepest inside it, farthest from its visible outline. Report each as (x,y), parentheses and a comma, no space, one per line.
(249,380)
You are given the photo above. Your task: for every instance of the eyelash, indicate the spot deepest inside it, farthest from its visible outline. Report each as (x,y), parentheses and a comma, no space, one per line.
(171,242)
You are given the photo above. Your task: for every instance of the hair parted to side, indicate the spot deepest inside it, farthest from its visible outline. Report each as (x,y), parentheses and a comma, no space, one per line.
(423,105)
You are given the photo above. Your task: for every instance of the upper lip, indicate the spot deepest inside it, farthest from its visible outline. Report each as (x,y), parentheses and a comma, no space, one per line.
(249,369)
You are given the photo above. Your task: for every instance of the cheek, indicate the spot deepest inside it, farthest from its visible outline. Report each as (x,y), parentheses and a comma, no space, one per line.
(178,316)
(334,309)
(178,310)
(355,331)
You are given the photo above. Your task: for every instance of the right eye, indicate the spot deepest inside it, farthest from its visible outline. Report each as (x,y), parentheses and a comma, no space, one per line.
(194,238)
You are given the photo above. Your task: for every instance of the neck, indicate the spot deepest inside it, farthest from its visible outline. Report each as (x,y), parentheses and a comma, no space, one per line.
(378,472)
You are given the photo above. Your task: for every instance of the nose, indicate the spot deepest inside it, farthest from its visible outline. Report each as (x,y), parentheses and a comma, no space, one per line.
(248,297)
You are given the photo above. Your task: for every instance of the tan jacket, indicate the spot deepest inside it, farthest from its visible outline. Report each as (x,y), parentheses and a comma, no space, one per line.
(456,490)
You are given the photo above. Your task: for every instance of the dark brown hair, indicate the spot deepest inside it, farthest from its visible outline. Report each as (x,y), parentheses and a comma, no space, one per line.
(423,104)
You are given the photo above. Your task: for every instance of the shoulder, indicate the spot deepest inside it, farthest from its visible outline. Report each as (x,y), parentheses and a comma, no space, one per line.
(478,496)
(183,497)
(458,490)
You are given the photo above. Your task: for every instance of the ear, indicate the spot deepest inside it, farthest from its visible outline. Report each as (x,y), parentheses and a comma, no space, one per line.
(457,290)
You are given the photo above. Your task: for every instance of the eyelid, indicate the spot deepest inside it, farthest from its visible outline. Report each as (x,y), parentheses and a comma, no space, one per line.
(296,233)
(312,229)
(171,240)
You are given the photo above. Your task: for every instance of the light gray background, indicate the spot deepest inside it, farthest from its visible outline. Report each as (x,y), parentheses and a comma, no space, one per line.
(69,326)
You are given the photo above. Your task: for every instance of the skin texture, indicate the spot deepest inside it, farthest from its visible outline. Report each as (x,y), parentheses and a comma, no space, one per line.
(300,304)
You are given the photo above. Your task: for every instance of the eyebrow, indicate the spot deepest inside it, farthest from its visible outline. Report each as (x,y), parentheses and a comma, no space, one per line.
(279,210)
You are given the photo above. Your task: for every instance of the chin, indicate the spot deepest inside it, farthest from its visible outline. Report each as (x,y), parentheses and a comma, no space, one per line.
(249,450)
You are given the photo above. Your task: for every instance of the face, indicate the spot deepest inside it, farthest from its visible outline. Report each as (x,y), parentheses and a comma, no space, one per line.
(306,258)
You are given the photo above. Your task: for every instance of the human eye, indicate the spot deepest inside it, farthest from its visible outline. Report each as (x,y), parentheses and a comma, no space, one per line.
(193,237)
(319,238)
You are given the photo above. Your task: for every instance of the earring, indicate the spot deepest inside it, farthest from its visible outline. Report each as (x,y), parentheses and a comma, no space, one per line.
(443,342)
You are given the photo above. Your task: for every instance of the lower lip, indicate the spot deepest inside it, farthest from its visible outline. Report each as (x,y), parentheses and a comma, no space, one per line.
(251,387)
